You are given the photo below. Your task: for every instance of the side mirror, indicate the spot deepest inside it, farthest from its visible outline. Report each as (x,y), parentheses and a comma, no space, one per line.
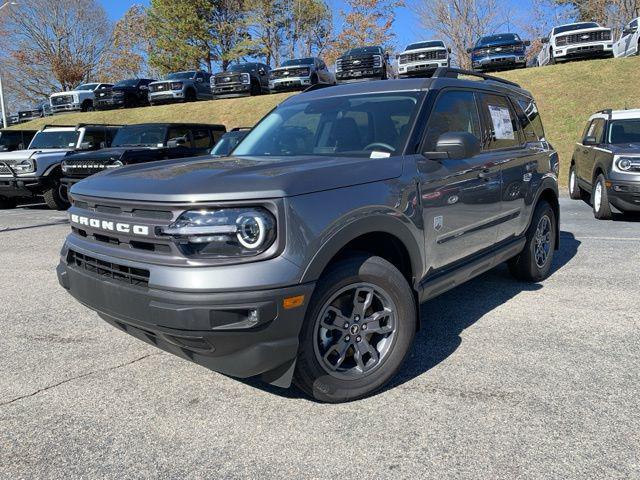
(86,146)
(590,141)
(449,50)
(458,145)
(199,80)
(544,39)
(177,142)
(527,43)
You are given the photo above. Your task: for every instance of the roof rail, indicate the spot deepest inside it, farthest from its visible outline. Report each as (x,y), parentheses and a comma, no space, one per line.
(81,125)
(447,72)
(607,111)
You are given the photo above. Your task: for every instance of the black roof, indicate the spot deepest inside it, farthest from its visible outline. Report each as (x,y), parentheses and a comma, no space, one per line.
(215,126)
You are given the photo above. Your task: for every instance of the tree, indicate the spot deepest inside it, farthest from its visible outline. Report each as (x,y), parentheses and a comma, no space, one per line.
(366,22)
(459,22)
(309,26)
(51,46)
(192,34)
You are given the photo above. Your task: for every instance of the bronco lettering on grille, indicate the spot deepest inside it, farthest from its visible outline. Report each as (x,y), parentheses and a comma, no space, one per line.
(109,225)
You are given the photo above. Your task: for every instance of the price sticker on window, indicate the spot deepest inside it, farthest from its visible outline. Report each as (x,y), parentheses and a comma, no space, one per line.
(502,124)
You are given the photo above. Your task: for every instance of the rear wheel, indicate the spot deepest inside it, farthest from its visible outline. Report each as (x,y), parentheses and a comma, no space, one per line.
(358,329)
(87,106)
(190,96)
(600,199)
(56,197)
(574,190)
(534,263)
(255,88)
(7,203)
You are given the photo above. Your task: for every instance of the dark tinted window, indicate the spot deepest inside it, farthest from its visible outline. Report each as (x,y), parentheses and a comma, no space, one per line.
(243,67)
(454,111)
(55,139)
(96,138)
(180,132)
(501,122)
(228,142)
(181,75)
(201,138)
(127,83)
(434,44)
(596,130)
(299,61)
(574,26)
(530,121)
(491,39)
(364,50)
(140,136)
(624,131)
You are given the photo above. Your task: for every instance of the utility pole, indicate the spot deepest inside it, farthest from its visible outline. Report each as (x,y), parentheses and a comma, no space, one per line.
(2,106)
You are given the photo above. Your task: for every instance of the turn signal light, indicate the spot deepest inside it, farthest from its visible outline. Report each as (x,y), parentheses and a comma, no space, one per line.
(293,302)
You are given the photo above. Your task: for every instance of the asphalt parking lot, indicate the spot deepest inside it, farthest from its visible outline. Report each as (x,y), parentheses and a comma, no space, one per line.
(506,380)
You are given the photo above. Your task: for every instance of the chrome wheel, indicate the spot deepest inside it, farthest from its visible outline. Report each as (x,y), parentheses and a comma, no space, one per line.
(355,331)
(542,241)
(572,181)
(597,197)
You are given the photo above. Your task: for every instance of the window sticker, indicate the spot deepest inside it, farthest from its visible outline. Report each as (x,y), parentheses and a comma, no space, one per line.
(376,154)
(502,125)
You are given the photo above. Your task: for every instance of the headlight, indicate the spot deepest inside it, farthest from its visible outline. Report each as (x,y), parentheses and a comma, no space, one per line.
(177,85)
(224,233)
(26,166)
(246,78)
(115,164)
(628,164)
(561,41)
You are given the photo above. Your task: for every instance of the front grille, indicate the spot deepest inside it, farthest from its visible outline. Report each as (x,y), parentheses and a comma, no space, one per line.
(601,36)
(82,168)
(5,170)
(160,87)
(103,93)
(227,79)
(357,63)
(290,72)
(62,100)
(421,56)
(100,268)
(483,52)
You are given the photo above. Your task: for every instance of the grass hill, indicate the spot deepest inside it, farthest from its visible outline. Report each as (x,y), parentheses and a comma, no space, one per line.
(566,94)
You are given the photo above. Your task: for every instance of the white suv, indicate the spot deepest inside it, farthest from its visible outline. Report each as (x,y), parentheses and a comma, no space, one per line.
(79,100)
(629,43)
(576,40)
(423,58)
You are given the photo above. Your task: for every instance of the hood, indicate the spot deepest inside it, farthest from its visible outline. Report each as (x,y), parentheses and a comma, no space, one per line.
(104,153)
(499,43)
(584,30)
(236,178)
(20,155)
(70,92)
(289,67)
(625,149)
(427,49)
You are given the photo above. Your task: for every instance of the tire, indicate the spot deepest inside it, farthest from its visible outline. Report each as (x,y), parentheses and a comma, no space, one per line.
(256,89)
(600,199)
(575,192)
(8,203)
(534,263)
(357,374)
(56,198)
(552,61)
(87,106)
(314,79)
(190,96)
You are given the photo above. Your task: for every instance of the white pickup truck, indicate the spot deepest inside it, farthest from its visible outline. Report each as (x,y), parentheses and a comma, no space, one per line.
(422,58)
(576,40)
(79,100)
(629,42)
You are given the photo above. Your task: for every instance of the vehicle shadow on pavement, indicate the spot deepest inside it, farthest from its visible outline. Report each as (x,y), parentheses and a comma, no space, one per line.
(444,318)
(617,216)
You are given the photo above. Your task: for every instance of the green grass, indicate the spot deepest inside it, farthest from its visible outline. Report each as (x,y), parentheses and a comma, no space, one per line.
(566,94)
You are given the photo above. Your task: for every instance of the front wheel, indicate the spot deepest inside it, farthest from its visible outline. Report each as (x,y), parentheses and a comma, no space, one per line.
(358,329)
(575,192)
(600,199)
(534,263)
(56,197)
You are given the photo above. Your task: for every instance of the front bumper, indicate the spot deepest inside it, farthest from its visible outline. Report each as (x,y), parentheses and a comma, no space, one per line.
(171,96)
(107,103)
(231,90)
(420,68)
(214,329)
(624,194)
(495,62)
(587,50)
(22,186)
(291,83)
(347,76)
(69,107)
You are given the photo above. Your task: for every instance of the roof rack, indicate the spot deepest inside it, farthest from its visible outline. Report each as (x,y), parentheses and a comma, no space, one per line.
(79,125)
(447,72)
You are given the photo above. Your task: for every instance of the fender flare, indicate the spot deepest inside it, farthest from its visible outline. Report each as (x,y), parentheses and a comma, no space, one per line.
(367,225)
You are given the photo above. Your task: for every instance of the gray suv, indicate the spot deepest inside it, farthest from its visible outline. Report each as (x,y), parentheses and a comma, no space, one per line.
(305,256)
(300,73)
(177,87)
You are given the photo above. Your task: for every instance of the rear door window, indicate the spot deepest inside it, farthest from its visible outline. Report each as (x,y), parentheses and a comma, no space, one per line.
(501,122)
(201,138)
(180,132)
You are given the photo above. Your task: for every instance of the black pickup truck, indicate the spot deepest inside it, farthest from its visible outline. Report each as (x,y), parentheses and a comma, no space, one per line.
(130,93)
(142,143)
(363,63)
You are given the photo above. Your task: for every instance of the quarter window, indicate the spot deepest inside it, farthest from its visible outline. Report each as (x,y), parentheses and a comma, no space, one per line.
(501,122)
(529,116)
(454,111)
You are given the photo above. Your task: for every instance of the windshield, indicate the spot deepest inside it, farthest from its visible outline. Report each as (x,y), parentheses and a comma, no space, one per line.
(574,26)
(348,126)
(127,83)
(415,46)
(624,131)
(140,136)
(181,76)
(363,50)
(55,139)
(242,67)
(87,86)
(228,142)
(299,61)
(505,37)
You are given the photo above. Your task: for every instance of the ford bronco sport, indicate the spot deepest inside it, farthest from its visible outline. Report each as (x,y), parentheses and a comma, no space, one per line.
(305,255)
(606,163)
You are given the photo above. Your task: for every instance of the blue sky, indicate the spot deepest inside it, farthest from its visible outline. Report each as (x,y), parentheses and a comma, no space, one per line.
(406,27)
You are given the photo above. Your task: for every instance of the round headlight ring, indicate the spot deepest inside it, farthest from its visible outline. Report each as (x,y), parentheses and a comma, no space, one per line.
(252,231)
(624,164)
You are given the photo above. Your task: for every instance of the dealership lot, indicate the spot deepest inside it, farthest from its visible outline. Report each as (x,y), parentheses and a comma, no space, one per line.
(505,380)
